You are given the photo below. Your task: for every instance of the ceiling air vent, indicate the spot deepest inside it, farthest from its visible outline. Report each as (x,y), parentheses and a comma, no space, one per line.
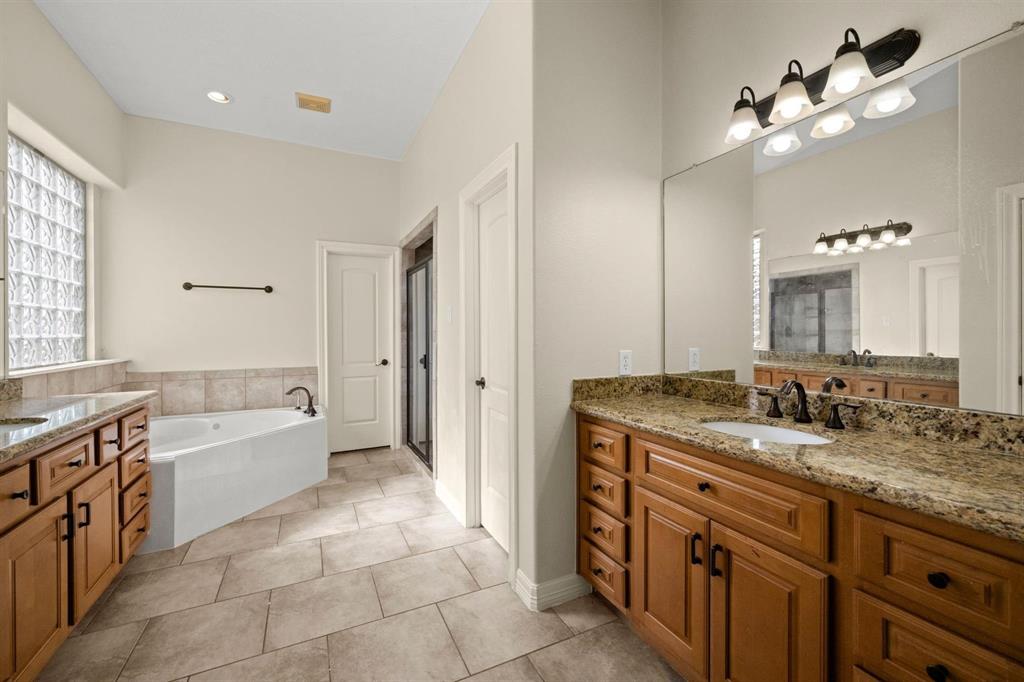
(313,103)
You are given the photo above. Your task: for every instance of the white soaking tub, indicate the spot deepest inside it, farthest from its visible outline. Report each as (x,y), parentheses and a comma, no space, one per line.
(212,469)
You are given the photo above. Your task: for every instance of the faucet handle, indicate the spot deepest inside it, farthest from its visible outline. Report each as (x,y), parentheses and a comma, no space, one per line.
(834,420)
(774,411)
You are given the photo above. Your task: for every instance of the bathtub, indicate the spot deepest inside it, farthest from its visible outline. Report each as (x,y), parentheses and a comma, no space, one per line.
(212,469)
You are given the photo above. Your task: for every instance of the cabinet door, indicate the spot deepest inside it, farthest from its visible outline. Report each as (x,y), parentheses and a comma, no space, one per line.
(97,533)
(669,599)
(768,613)
(33,590)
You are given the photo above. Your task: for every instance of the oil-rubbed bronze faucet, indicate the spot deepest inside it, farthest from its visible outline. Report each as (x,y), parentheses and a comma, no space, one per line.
(774,411)
(801,416)
(310,410)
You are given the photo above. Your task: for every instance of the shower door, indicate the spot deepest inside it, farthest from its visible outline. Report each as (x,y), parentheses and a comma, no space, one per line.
(418,361)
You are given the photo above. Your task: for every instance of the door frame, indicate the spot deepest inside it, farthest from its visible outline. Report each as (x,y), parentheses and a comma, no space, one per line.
(499,174)
(427,265)
(392,254)
(916,297)
(1009,284)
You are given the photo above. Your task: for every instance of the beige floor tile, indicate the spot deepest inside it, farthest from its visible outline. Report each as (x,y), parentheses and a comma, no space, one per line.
(154,560)
(384,455)
(263,569)
(83,625)
(412,465)
(235,537)
(317,523)
(96,656)
(422,579)
(492,626)
(437,531)
(486,561)
(319,607)
(411,646)
(153,593)
(305,662)
(518,670)
(304,500)
(334,477)
(346,493)
(584,613)
(609,653)
(348,551)
(205,637)
(398,508)
(345,459)
(405,483)
(362,472)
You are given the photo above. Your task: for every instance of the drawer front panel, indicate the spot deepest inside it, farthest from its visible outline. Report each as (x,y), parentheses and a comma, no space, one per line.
(59,470)
(968,585)
(604,531)
(604,489)
(924,393)
(782,513)
(871,388)
(779,377)
(134,428)
(133,464)
(136,497)
(604,574)
(134,532)
(814,382)
(603,446)
(897,646)
(15,496)
(110,443)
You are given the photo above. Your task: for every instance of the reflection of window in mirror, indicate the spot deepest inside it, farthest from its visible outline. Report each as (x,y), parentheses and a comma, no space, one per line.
(814,312)
(757,256)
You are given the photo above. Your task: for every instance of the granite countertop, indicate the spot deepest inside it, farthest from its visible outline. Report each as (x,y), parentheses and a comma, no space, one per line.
(919,374)
(64,414)
(979,489)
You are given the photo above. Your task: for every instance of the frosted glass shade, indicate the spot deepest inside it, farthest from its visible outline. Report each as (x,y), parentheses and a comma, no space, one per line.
(849,75)
(889,99)
(833,122)
(743,126)
(782,143)
(791,103)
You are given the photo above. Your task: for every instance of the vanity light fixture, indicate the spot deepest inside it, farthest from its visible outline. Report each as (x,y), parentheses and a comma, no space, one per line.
(855,249)
(841,242)
(890,99)
(219,97)
(744,123)
(864,238)
(903,241)
(888,235)
(833,122)
(849,74)
(791,101)
(870,238)
(878,246)
(782,143)
(820,246)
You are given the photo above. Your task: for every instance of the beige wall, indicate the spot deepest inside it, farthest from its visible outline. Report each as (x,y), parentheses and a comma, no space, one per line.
(712,49)
(215,207)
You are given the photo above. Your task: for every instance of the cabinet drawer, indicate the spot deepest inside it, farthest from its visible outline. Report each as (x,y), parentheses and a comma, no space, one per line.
(60,469)
(604,574)
(133,464)
(965,584)
(781,377)
(814,382)
(603,446)
(871,388)
(604,489)
(134,532)
(15,494)
(136,496)
(604,531)
(109,443)
(860,675)
(762,377)
(134,428)
(897,646)
(792,517)
(947,396)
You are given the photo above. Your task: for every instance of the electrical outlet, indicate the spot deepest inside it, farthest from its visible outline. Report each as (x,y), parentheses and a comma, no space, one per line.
(625,363)
(694,359)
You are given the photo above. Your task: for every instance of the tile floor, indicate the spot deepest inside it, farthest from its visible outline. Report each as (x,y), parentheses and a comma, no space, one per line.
(365,576)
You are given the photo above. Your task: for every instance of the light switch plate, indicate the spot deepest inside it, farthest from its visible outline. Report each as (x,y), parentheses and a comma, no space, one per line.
(625,363)
(694,359)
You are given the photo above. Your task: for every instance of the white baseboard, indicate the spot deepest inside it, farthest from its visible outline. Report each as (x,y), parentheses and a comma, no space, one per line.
(539,597)
(457,509)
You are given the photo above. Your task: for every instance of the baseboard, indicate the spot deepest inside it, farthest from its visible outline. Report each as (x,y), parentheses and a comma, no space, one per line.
(542,596)
(457,509)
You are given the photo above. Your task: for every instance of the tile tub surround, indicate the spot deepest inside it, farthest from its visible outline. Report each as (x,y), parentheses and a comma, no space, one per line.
(102,378)
(224,390)
(267,608)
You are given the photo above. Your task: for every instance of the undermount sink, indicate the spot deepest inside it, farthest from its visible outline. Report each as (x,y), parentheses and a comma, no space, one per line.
(766,434)
(8,425)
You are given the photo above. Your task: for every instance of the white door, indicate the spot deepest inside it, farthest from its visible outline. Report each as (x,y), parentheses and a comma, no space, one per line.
(942,309)
(496,318)
(359,332)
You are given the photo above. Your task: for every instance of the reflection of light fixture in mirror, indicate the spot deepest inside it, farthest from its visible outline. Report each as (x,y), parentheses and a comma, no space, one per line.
(849,74)
(821,246)
(744,124)
(903,241)
(855,249)
(782,143)
(890,99)
(834,252)
(870,238)
(864,238)
(791,101)
(832,122)
(841,242)
(878,246)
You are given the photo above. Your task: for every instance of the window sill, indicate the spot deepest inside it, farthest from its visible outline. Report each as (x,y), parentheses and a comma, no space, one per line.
(50,369)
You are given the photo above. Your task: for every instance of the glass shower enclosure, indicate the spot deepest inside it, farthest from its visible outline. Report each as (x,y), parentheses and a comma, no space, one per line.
(419,361)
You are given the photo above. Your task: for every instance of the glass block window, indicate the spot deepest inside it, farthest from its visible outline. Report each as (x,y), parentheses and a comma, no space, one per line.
(45,260)
(755,268)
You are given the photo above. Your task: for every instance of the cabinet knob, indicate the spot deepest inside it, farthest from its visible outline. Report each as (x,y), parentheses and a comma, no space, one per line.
(938,579)
(139,427)
(115,441)
(703,486)
(596,571)
(20,495)
(597,530)
(76,462)
(924,395)
(597,446)
(143,494)
(871,389)
(596,486)
(141,460)
(937,672)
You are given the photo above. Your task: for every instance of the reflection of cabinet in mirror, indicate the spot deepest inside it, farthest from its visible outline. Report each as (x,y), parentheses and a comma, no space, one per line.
(865,385)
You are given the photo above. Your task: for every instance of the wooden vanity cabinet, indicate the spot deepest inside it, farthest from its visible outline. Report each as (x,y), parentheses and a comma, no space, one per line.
(879,386)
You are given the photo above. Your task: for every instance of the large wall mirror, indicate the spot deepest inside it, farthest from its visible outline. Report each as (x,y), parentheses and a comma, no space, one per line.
(924,303)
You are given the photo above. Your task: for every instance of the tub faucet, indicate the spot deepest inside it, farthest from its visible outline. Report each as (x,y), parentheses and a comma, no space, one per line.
(801,416)
(310,410)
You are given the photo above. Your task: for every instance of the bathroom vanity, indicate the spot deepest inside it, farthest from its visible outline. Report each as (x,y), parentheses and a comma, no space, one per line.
(74,507)
(866,382)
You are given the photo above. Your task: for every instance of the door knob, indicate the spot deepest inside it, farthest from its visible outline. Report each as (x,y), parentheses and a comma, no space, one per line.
(382,363)
(481,382)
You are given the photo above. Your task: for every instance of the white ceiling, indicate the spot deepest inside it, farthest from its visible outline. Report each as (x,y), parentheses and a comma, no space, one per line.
(382,62)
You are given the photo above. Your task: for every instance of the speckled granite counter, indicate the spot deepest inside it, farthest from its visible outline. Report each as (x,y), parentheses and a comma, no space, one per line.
(908,373)
(979,489)
(63,414)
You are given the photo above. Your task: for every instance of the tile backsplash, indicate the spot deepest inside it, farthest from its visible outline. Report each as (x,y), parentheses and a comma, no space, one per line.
(98,379)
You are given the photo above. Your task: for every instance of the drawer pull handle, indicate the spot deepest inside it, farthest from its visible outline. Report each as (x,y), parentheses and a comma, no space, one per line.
(139,427)
(703,486)
(871,389)
(65,536)
(76,462)
(141,460)
(596,486)
(937,672)
(20,495)
(924,395)
(141,530)
(596,571)
(88,514)
(694,539)
(143,494)
(938,580)
(597,446)
(598,530)
(715,570)
(116,441)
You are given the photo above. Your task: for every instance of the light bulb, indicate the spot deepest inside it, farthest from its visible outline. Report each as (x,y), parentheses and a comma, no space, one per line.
(878,246)
(820,246)
(835,252)
(863,239)
(781,143)
(847,83)
(841,244)
(835,121)
(855,249)
(887,105)
(889,99)
(888,236)
(744,122)
(790,108)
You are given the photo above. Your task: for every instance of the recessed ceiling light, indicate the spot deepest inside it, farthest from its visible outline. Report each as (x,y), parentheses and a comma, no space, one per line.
(219,97)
